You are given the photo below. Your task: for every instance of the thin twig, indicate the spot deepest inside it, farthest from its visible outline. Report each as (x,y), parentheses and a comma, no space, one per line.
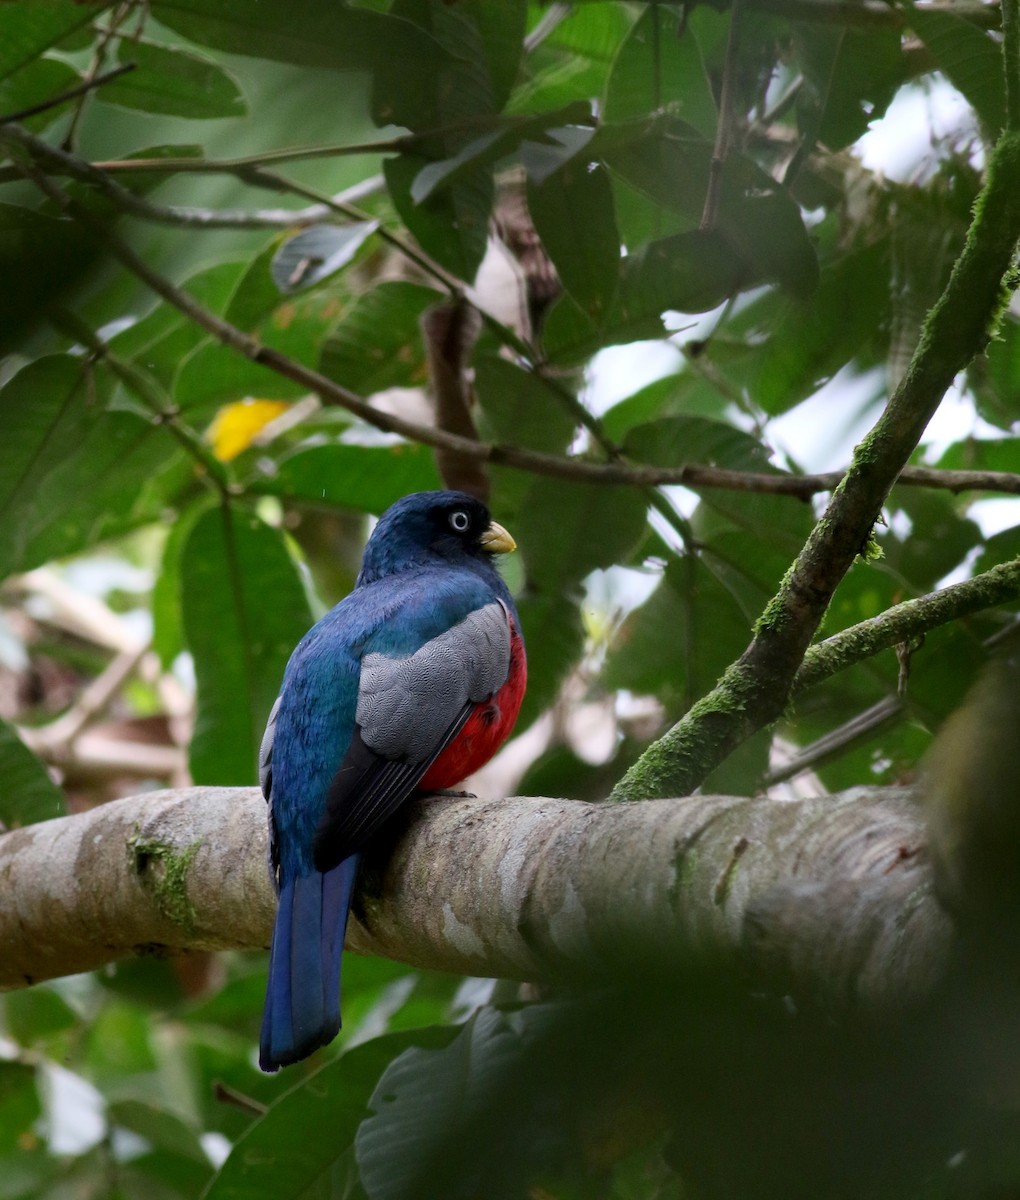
(836,741)
(868,14)
(727,116)
(87,85)
(95,70)
(581,470)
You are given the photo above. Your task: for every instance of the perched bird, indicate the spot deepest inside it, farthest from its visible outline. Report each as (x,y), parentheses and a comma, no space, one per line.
(411,683)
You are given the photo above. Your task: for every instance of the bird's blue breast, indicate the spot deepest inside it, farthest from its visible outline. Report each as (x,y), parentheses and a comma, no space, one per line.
(394,616)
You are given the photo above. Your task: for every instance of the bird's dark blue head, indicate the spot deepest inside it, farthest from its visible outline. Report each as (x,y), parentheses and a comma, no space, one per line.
(433,527)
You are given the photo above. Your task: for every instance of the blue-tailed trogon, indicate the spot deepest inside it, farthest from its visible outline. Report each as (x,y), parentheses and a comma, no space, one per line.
(411,683)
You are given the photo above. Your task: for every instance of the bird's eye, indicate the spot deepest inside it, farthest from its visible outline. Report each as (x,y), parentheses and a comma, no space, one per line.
(459,521)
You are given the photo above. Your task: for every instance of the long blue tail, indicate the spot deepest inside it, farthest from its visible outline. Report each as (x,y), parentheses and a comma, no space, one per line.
(302,1009)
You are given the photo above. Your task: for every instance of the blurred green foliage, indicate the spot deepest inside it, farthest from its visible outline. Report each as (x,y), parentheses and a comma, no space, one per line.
(141,1080)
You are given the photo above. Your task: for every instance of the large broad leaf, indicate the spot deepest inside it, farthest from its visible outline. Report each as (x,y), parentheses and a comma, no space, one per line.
(20,1106)
(520,407)
(164,337)
(682,394)
(670,162)
(32,26)
(849,79)
(673,441)
(277,1158)
(816,340)
(215,374)
(554,638)
(71,472)
(377,342)
(33,84)
(28,793)
(655,67)
(365,478)
(573,214)
(995,375)
(244,611)
(48,257)
(688,272)
(425,1101)
(574,59)
(451,224)
(568,530)
(172,81)
(678,643)
(970,59)
(406,60)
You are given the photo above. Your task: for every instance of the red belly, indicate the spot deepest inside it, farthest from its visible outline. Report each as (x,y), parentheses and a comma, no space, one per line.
(485,730)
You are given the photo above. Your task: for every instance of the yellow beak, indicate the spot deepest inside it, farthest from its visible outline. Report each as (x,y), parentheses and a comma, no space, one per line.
(496,540)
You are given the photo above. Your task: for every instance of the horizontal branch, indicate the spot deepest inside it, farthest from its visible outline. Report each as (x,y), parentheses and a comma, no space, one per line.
(691,475)
(571,890)
(903,622)
(868,14)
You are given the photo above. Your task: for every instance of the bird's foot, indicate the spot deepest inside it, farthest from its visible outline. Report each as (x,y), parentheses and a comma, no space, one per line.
(453,794)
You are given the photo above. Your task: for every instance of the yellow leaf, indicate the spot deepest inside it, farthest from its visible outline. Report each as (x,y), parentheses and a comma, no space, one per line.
(236,425)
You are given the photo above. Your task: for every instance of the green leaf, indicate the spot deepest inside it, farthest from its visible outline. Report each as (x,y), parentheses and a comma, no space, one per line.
(426,1099)
(982,454)
(573,215)
(688,272)
(568,530)
(364,478)
(970,60)
(548,128)
(816,340)
(159,1126)
(32,26)
(407,62)
(71,472)
(849,79)
(316,253)
(48,258)
(655,67)
(707,631)
(244,611)
(172,81)
(682,394)
(995,375)
(554,637)
(674,441)
(452,225)
(35,83)
(277,1158)
(215,374)
(520,407)
(377,342)
(670,162)
(29,795)
(33,1015)
(20,1106)
(167,618)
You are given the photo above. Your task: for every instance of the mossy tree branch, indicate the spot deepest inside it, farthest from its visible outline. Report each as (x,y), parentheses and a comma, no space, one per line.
(754,690)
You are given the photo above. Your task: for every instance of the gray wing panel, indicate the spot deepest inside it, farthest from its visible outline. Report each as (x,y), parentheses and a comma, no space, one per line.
(405,705)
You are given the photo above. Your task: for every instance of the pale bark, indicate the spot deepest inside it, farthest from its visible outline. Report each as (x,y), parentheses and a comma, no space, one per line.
(834,892)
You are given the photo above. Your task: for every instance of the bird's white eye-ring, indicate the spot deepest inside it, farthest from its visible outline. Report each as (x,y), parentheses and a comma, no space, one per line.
(459,521)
